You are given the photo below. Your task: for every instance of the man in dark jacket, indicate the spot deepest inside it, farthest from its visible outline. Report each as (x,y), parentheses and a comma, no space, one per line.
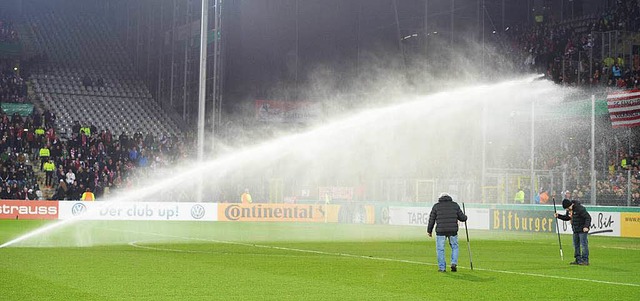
(446,213)
(580,223)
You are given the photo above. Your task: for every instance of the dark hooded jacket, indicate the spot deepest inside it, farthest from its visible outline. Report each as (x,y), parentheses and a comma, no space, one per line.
(445,213)
(580,218)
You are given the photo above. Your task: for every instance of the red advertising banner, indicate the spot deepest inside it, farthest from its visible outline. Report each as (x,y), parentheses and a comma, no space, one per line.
(14,209)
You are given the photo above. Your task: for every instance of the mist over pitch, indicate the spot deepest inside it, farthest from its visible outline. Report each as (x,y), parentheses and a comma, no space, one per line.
(408,136)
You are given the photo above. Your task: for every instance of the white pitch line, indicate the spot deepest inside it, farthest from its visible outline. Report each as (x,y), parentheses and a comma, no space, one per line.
(136,245)
(366,257)
(620,248)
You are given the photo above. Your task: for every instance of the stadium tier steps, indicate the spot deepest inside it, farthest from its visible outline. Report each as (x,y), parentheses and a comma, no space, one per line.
(87,76)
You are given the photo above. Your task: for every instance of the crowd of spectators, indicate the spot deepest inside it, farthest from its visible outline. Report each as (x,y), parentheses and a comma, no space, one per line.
(98,160)
(18,137)
(95,159)
(612,185)
(90,158)
(569,53)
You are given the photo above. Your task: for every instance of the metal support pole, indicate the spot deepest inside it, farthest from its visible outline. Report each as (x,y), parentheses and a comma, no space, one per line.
(220,57)
(426,27)
(138,21)
(484,150)
(398,34)
(173,59)
(453,9)
(148,50)
(628,187)
(593,149)
(186,62)
(358,39)
(160,46)
(216,53)
(503,14)
(297,47)
(202,88)
(532,159)
(483,48)
(202,84)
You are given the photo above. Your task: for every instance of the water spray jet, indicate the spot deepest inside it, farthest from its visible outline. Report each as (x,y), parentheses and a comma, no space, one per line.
(385,141)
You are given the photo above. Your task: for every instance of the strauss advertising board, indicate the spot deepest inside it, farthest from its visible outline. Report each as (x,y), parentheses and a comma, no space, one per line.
(13,209)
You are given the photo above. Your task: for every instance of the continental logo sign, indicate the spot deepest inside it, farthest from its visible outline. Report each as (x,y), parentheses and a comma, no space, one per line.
(630,224)
(271,213)
(28,209)
(524,221)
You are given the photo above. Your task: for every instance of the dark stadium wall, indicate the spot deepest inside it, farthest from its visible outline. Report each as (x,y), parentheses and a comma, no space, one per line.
(274,49)
(276,45)
(10,9)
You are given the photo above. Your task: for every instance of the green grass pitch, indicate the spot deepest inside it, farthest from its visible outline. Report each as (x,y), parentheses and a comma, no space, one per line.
(285,261)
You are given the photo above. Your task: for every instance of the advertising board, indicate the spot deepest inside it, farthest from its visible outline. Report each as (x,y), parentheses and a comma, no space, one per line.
(15,209)
(175,211)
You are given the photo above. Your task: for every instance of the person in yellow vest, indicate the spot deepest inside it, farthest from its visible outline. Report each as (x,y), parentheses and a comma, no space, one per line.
(39,132)
(245,198)
(609,61)
(86,130)
(88,195)
(620,61)
(44,155)
(49,169)
(612,168)
(39,135)
(519,197)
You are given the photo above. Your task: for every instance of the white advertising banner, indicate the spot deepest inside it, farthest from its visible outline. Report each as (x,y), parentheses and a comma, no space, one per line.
(602,223)
(419,216)
(148,211)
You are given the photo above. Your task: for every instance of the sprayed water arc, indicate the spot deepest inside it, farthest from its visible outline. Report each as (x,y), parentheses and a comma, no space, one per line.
(419,134)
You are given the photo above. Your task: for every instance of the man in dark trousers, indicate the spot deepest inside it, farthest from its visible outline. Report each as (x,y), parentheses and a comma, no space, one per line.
(446,213)
(580,223)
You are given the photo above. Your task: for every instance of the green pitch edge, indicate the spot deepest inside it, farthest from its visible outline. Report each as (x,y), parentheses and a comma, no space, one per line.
(550,207)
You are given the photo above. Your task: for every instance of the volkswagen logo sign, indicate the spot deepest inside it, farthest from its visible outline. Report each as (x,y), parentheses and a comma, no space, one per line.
(197,211)
(78,208)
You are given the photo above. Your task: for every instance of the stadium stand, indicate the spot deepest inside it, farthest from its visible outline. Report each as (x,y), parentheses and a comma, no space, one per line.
(583,50)
(83,90)
(80,79)
(87,76)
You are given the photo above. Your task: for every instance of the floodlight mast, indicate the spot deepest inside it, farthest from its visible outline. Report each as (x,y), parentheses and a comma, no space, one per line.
(202,87)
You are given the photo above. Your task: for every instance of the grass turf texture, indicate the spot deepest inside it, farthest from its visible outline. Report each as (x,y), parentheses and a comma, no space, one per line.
(277,261)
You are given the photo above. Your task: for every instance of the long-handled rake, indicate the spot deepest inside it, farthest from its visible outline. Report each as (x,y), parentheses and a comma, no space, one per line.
(557,229)
(467,232)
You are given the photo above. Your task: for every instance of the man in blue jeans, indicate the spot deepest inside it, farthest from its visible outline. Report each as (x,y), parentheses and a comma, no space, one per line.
(446,213)
(580,223)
